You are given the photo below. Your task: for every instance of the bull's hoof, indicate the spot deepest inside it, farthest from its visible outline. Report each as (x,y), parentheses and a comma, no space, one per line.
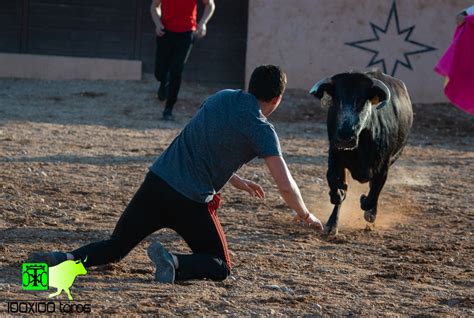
(365,204)
(369,216)
(330,230)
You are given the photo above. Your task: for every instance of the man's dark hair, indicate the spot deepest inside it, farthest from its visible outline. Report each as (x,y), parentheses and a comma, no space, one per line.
(267,82)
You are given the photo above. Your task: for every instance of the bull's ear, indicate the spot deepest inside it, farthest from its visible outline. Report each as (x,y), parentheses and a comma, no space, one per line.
(379,94)
(324,85)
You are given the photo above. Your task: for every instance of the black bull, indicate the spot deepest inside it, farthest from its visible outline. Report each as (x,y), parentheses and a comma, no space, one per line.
(368,124)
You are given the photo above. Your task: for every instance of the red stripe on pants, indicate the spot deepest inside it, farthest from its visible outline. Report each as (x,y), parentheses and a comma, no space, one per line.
(212,207)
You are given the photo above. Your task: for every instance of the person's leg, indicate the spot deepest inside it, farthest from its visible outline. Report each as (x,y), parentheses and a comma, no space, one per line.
(144,215)
(182,48)
(163,56)
(200,228)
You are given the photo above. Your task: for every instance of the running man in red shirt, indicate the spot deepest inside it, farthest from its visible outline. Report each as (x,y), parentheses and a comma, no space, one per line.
(176,27)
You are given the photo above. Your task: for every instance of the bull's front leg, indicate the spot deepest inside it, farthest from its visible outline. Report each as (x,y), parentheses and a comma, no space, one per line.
(68,292)
(369,202)
(336,176)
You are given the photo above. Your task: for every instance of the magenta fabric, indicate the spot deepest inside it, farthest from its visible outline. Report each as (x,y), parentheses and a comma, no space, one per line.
(457,64)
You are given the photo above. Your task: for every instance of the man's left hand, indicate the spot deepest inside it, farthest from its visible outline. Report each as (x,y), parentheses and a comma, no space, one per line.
(201,31)
(251,187)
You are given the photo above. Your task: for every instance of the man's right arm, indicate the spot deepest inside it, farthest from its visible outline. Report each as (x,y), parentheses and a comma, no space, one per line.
(289,190)
(155,15)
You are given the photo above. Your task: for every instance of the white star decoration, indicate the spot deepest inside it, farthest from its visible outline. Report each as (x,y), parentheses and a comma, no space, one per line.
(391,45)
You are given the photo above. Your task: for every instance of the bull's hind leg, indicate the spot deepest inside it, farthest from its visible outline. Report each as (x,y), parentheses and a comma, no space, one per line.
(58,291)
(336,177)
(369,202)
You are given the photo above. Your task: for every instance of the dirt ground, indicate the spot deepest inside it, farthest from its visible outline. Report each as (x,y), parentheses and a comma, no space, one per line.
(73,153)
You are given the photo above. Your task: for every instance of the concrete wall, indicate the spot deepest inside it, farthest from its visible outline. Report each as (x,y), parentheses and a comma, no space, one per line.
(67,68)
(312,39)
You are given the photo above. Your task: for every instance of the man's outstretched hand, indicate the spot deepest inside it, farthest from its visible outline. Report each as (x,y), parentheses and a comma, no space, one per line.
(309,220)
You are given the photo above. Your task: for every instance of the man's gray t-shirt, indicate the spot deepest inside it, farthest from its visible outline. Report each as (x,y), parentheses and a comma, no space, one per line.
(228,131)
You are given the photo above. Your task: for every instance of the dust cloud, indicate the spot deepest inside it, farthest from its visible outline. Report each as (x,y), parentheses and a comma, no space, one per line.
(391,210)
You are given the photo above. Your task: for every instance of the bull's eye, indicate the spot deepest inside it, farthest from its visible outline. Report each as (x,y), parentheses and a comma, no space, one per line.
(375,100)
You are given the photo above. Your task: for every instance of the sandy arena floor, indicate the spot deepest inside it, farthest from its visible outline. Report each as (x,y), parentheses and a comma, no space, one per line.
(73,153)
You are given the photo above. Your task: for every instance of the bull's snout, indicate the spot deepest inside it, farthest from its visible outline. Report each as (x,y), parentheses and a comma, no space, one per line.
(346,143)
(346,136)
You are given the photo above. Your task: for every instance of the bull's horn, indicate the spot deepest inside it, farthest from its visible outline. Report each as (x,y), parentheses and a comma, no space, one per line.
(316,89)
(383,87)
(85,259)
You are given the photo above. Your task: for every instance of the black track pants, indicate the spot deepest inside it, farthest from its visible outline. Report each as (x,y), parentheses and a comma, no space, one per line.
(172,50)
(155,206)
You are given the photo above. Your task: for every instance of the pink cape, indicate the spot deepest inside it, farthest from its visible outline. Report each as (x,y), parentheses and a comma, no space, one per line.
(457,64)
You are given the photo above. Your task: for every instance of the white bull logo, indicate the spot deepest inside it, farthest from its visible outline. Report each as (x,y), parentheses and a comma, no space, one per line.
(62,276)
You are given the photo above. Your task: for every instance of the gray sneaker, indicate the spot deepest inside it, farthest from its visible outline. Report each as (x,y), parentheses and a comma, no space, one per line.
(164,263)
